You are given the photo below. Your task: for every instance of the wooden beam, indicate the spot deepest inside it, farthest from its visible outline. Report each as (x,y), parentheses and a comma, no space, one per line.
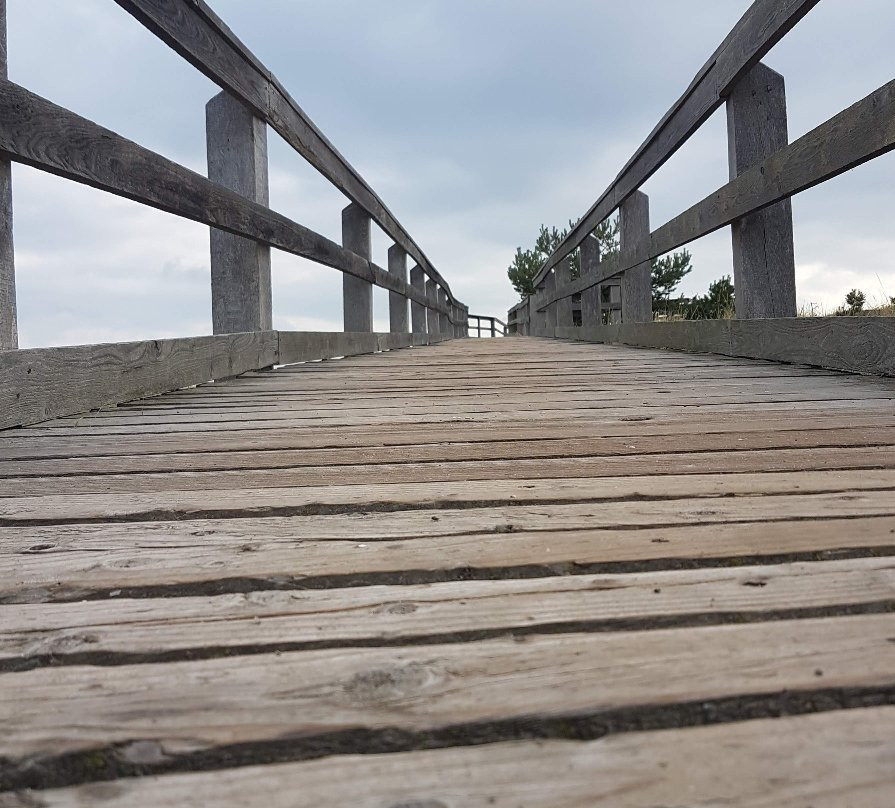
(41,134)
(863,132)
(38,384)
(761,27)
(194,31)
(764,263)
(9,331)
(308,346)
(853,344)
(241,298)
(357,293)
(42,383)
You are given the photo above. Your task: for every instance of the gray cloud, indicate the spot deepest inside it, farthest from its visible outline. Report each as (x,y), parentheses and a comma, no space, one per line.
(475,120)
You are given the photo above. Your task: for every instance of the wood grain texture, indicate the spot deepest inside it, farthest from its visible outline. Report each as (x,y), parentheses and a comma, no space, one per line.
(194,31)
(391,615)
(853,344)
(252,699)
(41,383)
(814,761)
(45,136)
(478,541)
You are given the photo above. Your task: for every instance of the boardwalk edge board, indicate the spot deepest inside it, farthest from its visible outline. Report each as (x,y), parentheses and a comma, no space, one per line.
(38,384)
(863,345)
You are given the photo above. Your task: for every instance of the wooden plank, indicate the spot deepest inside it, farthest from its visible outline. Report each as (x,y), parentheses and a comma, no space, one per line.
(767,406)
(65,563)
(41,383)
(853,344)
(9,332)
(321,411)
(763,25)
(230,489)
(22,445)
(390,615)
(256,699)
(812,761)
(307,346)
(48,137)
(33,473)
(194,31)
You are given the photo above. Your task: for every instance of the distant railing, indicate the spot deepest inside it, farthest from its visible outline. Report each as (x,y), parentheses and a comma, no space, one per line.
(493,327)
(232,200)
(765,169)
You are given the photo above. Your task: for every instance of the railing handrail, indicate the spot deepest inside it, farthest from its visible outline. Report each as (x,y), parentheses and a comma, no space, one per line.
(38,133)
(763,25)
(196,33)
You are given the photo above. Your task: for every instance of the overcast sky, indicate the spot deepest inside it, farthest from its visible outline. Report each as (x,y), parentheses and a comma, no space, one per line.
(475,121)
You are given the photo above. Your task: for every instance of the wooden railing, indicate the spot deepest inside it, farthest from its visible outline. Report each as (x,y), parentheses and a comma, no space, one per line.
(492,328)
(233,201)
(766,171)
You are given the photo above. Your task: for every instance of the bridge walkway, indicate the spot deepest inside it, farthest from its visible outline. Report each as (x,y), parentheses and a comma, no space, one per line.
(488,572)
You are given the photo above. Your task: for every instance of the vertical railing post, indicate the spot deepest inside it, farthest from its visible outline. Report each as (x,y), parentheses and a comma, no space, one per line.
(590,298)
(550,313)
(764,272)
(637,300)
(418,310)
(240,268)
(564,306)
(397,303)
(444,323)
(9,329)
(433,322)
(493,329)
(357,294)
(464,321)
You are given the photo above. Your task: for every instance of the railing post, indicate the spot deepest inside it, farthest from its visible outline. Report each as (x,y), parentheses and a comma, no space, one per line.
(357,294)
(240,268)
(418,310)
(433,322)
(637,300)
(397,303)
(550,313)
(590,298)
(444,323)
(493,329)
(764,272)
(9,330)
(564,306)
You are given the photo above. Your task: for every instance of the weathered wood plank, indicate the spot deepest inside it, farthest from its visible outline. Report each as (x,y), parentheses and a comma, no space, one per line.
(469,610)
(813,761)
(34,474)
(853,344)
(264,484)
(41,383)
(41,134)
(71,562)
(198,35)
(24,446)
(257,699)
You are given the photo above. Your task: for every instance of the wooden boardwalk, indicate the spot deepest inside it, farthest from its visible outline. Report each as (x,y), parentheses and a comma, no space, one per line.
(509,572)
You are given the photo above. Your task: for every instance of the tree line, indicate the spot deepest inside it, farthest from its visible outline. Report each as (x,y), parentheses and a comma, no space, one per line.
(665,276)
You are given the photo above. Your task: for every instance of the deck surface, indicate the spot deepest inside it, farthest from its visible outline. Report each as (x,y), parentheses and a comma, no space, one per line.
(509,572)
